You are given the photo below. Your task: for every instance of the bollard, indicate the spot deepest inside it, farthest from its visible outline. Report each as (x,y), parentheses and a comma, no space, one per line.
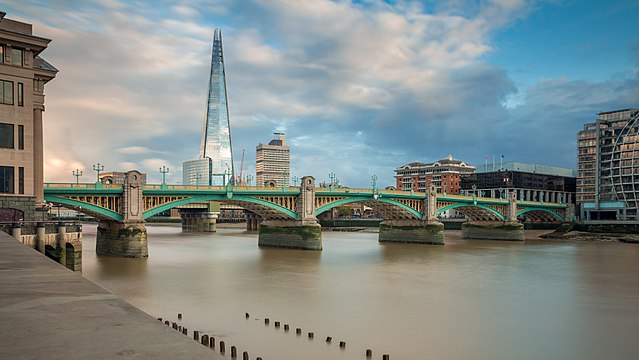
(175,325)
(180,328)
(179,316)
(212,342)
(298,331)
(310,335)
(167,323)
(185,331)
(246,315)
(160,319)
(196,335)
(385,357)
(245,355)
(285,327)
(266,321)
(369,353)
(205,340)
(233,351)
(277,324)
(342,344)
(222,347)
(329,339)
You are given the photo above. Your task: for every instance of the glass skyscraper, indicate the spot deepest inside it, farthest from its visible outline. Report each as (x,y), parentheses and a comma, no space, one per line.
(216,136)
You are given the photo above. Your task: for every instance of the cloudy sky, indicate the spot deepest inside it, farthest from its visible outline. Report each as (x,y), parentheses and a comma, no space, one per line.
(359,87)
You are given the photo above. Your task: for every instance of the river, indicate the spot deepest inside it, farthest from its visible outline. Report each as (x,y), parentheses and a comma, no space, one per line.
(466,300)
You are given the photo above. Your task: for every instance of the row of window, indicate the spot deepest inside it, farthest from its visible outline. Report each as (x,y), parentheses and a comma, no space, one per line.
(7,136)
(7,180)
(6,93)
(17,56)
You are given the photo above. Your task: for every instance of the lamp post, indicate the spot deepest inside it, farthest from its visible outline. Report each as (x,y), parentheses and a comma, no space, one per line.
(249,178)
(97,168)
(164,170)
(444,188)
(295,179)
(197,179)
(374,184)
(77,173)
(332,177)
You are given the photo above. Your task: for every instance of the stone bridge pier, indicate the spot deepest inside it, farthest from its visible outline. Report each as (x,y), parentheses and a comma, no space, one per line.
(509,229)
(428,230)
(301,233)
(252,221)
(126,238)
(198,220)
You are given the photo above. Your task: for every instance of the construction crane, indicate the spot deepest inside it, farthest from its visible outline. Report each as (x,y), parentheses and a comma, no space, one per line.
(242,166)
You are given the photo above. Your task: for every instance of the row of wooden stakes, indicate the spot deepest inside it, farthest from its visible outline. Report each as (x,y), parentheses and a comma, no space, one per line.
(311,335)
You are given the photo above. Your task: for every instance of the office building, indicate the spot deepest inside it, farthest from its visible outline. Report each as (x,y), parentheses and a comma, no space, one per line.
(216,136)
(273,162)
(529,182)
(445,174)
(608,166)
(23,74)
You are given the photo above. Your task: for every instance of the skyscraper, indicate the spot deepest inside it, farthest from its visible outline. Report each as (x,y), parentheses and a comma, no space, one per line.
(215,164)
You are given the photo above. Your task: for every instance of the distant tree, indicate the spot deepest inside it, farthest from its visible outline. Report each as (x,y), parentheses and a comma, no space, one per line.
(344,211)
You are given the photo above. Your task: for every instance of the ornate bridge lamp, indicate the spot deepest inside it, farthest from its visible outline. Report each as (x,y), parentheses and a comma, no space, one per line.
(541,197)
(98,168)
(249,178)
(197,177)
(295,180)
(374,184)
(333,178)
(77,173)
(444,189)
(164,170)
(474,194)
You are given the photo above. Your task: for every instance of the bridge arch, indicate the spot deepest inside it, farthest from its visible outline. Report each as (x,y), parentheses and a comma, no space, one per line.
(370,201)
(473,210)
(258,206)
(540,213)
(86,208)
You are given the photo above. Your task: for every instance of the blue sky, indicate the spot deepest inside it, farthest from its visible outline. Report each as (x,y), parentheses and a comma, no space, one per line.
(359,88)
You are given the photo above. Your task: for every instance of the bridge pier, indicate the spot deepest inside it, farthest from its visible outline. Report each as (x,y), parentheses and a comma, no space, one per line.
(198,221)
(500,230)
(301,233)
(252,221)
(123,239)
(411,231)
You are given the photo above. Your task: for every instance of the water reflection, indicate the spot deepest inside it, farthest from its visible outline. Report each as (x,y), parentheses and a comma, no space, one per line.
(463,300)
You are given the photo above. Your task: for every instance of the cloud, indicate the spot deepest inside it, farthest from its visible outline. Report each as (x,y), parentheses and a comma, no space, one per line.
(359,88)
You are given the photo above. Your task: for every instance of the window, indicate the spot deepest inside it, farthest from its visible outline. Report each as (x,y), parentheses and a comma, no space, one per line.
(6,136)
(6,179)
(20,137)
(6,92)
(16,56)
(20,94)
(1,54)
(20,180)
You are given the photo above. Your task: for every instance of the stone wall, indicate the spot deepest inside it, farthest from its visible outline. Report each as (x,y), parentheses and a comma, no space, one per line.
(411,231)
(127,239)
(305,237)
(26,204)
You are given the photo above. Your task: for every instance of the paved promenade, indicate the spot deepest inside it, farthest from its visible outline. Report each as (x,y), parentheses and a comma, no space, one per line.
(49,312)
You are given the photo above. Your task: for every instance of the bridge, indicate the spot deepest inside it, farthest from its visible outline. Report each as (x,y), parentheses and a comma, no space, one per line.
(288,215)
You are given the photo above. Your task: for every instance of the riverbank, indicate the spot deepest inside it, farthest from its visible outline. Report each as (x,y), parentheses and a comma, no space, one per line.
(50,312)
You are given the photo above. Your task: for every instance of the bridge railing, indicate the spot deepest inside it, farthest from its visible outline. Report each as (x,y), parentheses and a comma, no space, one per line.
(81,186)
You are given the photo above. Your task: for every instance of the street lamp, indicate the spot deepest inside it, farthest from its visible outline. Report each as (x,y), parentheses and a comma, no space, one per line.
(197,179)
(77,173)
(249,178)
(164,170)
(97,168)
(332,177)
(295,180)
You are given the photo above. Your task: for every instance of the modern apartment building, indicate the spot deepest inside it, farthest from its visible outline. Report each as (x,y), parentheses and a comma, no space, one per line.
(215,164)
(23,74)
(273,162)
(608,166)
(529,182)
(445,174)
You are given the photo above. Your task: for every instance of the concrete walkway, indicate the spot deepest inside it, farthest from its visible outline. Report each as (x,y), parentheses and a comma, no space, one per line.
(49,312)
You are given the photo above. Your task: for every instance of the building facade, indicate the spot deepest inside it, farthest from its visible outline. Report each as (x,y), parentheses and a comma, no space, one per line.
(608,166)
(23,74)
(445,174)
(273,162)
(216,136)
(529,182)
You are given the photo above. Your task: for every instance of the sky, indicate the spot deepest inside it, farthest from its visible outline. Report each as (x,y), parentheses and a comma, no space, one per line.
(359,87)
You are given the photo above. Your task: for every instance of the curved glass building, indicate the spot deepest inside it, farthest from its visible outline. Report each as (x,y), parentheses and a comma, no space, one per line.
(215,164)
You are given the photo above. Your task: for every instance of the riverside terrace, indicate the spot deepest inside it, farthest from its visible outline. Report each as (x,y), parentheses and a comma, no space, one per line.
(288,215)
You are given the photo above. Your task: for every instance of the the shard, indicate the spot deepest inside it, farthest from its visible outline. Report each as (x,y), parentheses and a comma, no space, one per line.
(215,165)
